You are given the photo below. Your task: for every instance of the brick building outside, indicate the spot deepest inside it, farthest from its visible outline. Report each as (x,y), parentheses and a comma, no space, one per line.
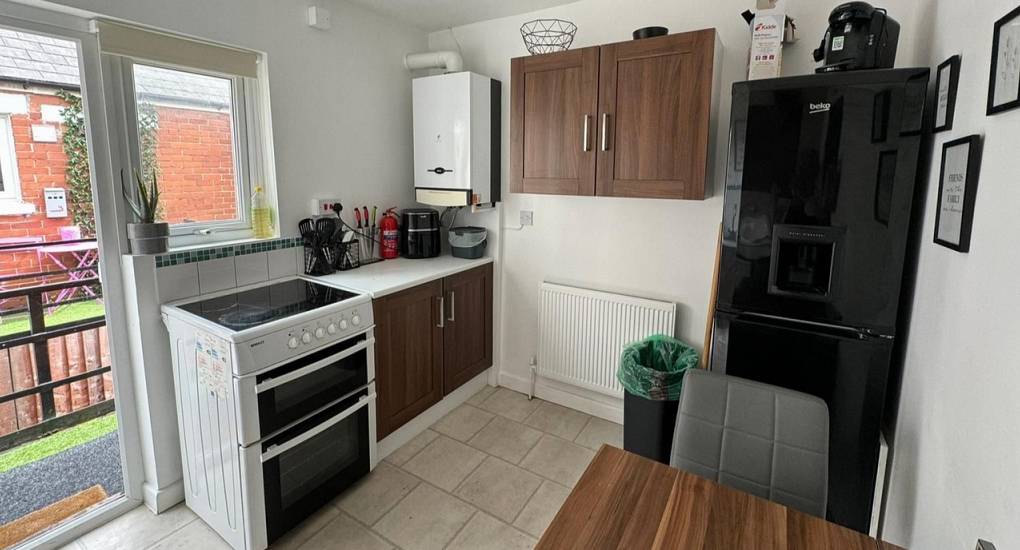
(194,150)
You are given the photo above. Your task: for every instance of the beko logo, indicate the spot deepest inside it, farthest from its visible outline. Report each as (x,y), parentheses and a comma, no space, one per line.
(818,107)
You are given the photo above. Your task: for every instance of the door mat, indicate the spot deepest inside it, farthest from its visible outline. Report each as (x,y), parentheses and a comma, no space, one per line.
(20,529)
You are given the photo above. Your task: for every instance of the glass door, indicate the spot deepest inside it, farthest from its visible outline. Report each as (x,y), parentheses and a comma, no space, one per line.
(62,457)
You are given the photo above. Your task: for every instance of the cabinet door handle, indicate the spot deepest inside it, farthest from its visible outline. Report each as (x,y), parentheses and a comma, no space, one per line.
(585,146)
(605,131)
(442,312)
(453,306)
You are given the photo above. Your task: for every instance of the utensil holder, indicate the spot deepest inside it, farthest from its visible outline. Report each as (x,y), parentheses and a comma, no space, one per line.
(316,261)
(348,255)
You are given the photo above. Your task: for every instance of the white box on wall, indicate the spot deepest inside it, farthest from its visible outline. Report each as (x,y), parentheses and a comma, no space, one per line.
(52,113)
(44,133)
(456,126)
(56,202)
(319,18)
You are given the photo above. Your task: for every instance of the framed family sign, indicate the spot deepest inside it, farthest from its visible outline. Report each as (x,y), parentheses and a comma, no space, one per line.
(961,163)
(1004,81)
(947,81)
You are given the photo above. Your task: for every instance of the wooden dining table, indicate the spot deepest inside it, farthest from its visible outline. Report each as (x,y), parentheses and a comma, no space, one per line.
(627,501)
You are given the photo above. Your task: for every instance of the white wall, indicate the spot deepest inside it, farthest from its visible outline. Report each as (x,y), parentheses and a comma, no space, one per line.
(956,462)
(341,117)
(654,248)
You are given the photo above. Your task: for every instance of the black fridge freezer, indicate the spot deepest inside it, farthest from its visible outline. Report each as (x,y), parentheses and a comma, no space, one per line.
(818,209)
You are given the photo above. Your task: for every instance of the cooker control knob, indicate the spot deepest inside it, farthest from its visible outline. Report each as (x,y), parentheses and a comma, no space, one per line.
(306,337)
(331,328)
(356,319)
(343,324)
(292,343)
(320,332)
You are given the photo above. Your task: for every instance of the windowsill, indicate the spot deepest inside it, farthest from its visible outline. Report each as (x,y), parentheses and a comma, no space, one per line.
(15,207)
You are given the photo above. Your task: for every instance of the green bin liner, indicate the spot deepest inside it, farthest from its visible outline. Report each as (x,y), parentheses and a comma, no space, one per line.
(653,368)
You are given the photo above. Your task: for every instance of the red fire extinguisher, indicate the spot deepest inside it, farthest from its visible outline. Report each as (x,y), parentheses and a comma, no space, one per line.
(390,229)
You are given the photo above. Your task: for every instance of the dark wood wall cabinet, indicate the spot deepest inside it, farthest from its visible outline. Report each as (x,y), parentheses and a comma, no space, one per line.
(430,340)
(630,119)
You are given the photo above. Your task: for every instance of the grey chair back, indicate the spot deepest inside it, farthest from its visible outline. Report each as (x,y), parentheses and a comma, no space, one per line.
(768,441)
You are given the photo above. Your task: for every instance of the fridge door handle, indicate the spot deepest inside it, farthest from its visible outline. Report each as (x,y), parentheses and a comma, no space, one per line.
(813,326)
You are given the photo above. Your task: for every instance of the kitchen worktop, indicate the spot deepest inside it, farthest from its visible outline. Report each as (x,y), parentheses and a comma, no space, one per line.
(389,276)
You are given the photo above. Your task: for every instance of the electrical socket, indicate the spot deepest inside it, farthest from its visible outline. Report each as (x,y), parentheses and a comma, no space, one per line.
(321,207)
(527,217)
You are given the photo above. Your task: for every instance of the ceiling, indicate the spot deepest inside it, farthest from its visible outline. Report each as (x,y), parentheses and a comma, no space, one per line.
(434,15)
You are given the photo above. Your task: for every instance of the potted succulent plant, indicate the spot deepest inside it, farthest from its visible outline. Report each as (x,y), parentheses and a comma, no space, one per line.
(146,235)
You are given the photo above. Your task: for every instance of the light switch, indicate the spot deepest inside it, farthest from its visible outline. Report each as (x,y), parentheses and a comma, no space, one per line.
(527,217)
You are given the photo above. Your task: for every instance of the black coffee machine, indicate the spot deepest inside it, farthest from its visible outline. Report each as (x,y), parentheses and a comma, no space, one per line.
(860,36)
(419,233)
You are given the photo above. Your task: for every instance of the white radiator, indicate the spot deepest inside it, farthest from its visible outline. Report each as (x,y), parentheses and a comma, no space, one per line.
(583,332)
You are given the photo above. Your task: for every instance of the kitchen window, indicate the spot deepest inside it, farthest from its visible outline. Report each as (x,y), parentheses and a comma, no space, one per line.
(195,117)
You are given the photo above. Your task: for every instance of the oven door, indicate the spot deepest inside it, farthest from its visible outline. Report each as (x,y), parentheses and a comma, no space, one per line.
(289,393)
(308,465)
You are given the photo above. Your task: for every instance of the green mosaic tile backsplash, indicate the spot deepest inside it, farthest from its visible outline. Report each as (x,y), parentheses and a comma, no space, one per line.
(190,256)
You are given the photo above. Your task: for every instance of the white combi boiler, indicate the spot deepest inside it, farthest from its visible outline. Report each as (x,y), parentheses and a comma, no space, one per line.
(456,139)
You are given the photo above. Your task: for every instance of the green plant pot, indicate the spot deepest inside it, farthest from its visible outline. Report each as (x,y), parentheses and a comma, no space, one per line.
(148,238)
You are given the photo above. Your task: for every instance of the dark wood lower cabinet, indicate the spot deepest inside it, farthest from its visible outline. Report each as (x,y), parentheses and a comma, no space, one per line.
(408,355)
(467,339)
(430,340)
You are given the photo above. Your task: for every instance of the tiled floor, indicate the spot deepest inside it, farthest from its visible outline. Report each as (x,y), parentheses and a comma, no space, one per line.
(491,474)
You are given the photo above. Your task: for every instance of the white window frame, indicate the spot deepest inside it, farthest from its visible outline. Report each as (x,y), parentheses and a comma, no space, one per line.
(248,144)
(8,161)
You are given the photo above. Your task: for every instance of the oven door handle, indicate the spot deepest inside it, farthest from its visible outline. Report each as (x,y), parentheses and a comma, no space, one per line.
(271,383)
(276,450)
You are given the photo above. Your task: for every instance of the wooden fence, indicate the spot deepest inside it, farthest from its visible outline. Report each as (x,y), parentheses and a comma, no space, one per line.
(69,355)
(52,377)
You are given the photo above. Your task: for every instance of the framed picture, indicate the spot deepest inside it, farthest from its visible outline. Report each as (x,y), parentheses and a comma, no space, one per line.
(958,178)
(1004,81)
(946,83)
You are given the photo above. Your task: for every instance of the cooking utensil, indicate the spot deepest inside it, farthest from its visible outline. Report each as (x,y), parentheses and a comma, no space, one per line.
(306,227)
(357,216)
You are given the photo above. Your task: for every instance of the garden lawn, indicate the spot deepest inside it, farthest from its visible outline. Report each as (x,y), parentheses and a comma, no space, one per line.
(69,313)
(57,442)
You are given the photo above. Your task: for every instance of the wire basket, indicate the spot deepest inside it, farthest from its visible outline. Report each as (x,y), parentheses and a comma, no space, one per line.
(348,255)
(548,35)
(319,260)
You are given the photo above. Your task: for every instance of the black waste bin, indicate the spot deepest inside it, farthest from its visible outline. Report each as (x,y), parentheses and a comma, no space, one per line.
(651,372)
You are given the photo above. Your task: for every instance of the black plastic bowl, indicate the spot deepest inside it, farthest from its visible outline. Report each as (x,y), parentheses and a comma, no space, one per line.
(650,32)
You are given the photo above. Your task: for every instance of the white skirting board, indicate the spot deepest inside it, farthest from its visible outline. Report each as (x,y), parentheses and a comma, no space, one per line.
(160,500)
(420,423)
